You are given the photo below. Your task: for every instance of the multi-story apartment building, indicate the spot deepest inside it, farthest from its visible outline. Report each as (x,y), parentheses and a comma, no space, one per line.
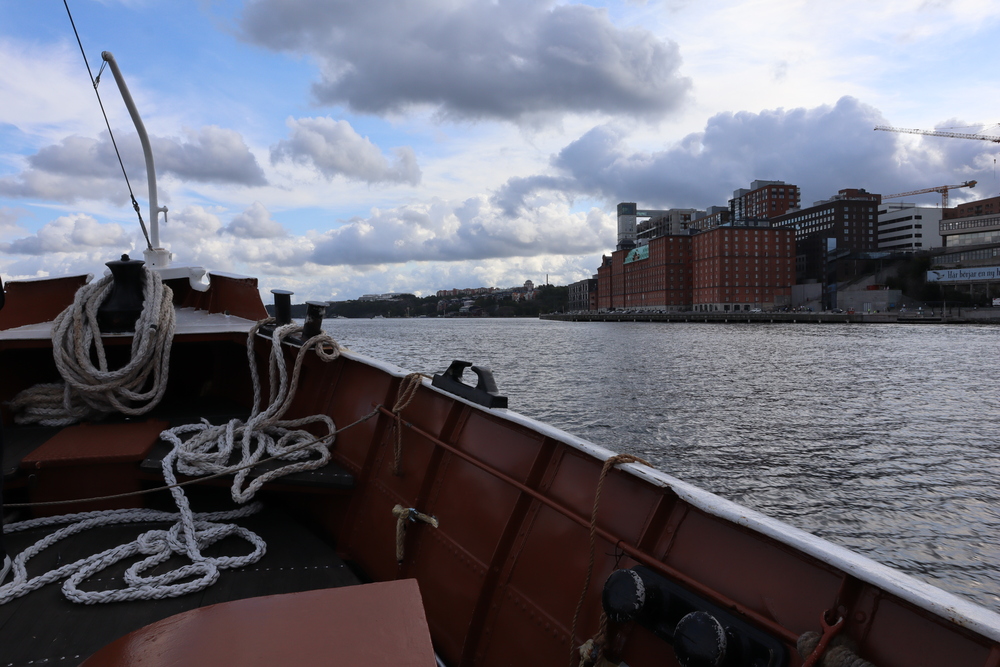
(849,217)
(729,268)
(742,268)
(715,216)
(973,224)
(763,200)
(674,221)
(843,224)
(904,227)
(653,276)
(580,294)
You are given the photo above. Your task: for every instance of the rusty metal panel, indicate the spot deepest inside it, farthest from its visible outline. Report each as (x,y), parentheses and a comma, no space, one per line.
(540,593)
(34,301)
(372,624)
(521,636)
(473,506)
(428,411)
(456,577)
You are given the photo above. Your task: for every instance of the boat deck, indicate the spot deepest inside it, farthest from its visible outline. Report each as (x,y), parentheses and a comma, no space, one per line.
(44,628)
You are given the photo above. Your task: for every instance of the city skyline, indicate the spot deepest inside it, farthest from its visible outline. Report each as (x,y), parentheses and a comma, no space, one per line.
(337,149)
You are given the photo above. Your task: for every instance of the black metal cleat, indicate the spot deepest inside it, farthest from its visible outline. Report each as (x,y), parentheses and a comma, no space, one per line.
(484,393)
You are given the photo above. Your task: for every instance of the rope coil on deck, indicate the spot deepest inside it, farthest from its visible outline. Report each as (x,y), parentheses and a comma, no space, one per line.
(207,452)
(91,391)
(265,432)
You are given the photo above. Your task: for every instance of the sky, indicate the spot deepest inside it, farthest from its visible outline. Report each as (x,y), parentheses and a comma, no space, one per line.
(339,148)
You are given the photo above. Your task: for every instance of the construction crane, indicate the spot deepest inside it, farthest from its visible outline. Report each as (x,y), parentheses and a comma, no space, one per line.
(943,189)
(936,133)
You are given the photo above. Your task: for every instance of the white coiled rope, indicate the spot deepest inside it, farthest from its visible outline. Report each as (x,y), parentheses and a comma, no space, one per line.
(265,433)
(90,391)
(207,452)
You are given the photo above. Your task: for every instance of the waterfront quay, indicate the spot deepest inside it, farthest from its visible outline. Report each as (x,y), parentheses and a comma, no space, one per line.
(951,316)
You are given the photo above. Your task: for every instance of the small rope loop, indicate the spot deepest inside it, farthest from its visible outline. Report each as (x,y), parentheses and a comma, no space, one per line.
(597,647)
(404,514)
(407,391)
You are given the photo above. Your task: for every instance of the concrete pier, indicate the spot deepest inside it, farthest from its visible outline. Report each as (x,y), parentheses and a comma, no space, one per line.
(955,316)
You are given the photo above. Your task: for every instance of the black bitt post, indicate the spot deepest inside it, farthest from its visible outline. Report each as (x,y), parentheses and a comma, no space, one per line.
(315,310)
(282,306)
(123,306)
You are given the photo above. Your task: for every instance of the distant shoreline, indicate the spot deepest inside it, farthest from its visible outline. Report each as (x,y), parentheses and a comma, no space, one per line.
(957,316)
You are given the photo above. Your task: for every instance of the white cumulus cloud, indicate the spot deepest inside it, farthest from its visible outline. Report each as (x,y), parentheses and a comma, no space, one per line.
(71,233)
(335,149)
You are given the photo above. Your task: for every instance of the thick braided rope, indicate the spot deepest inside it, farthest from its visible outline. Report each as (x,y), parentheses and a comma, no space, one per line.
(407,391)
(158,545)
(264,433)
(842,651)
(90,390)
(598,644)
(190,533)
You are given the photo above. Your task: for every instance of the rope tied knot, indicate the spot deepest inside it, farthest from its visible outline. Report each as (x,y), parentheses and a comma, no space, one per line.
(407,391)
(404,514)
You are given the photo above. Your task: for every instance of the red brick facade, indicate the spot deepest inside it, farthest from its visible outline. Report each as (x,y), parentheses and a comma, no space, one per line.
(743,268)
(770,199)
(726,268)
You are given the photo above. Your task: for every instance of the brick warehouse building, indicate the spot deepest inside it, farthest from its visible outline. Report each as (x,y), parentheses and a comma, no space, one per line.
(722,269)
(743,267)
(656,275)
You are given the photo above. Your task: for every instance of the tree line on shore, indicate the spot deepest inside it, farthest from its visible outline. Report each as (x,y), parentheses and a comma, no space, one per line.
(548,299)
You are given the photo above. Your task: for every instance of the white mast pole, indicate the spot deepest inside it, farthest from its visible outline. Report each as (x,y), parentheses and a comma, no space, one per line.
(156,257)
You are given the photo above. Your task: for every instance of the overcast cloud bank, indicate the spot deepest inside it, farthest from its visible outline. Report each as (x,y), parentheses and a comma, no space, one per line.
(822,150)
(479,59)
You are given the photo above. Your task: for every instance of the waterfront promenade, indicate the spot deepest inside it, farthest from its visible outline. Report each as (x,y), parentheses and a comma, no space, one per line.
(951,316)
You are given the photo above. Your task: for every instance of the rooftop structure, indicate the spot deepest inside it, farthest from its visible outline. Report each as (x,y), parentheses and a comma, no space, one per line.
(906,227)
(764,200)
(973,230)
